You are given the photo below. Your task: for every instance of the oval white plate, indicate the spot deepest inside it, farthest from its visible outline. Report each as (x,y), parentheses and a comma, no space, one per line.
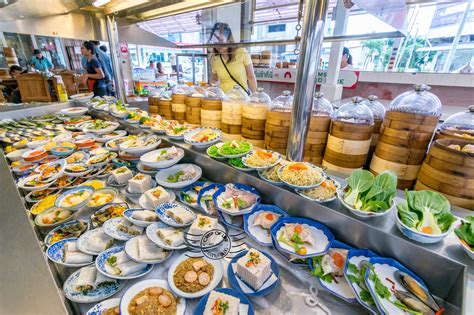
(144,204)
(55,253)
(102,258)
(127,214)
(188,137)
(131,251)
(142,285)
(140,150)
(151,234)
(216,279)
(149,159)
(161,176)
(261,168)
(83,241)
(111,229)
(161,212)
(74,111)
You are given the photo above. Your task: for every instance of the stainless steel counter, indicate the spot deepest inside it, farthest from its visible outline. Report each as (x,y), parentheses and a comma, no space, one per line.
(29,286)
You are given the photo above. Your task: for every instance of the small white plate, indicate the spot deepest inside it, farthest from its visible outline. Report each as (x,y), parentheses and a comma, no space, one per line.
(55,253)
(23,181)
(84,239)
(261,168)
(127,214)
(145,205)
(99,308)
(111,229)
(132,251)
(161,212)
(149,159)
(142,285)
(216,279)
(188,137)
(151,234)
(161,176)
(140,150)
(74,111)
(102,258)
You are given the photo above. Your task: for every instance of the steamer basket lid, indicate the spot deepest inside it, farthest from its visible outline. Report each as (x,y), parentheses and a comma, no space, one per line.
(354,112)
(214,92)
(282,103)
(260,97)
(196,90)
(236,94)
(377,108)
(321,105)
(462,122)
(180,88)
(417,101)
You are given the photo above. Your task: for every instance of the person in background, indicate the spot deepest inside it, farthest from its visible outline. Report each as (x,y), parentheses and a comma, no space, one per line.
(174,69)
(346,61)
(159,69)
(106,65)
(103,48)
(39,62)
(231,66)
(95,77)
(13,95)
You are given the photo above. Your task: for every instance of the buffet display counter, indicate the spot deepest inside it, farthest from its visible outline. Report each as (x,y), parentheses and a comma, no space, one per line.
(34,284)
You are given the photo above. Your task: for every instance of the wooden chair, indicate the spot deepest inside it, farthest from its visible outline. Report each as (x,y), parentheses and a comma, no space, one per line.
(69,82)
(34,88)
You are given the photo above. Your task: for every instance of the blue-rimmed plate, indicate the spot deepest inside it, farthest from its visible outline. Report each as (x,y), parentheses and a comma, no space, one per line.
(384,269)
(256,231)
(268,286)
(132,250)
(92,296)
(138,194)
(111,228)
(164,217)
(233,221)
(81,189)
(151,231)
(102,259)
(245,306)
(261,168)
(99,308)
(218,199)
(127,214)
(216,278)
(312,185)
(205,197)
(305,192)
(189,195)
(188,137)
(163,175)
(143,285)
(70,224)
(322,237)
(338,286)
(355,277)
(84,241)
(55,253)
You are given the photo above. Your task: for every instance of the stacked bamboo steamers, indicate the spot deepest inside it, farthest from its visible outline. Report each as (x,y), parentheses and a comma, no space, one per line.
(254,117)
(211,107)
(378,110)
(231,122)
(318,129)
(153,102)
(164,105)
(350,135)
(406,132)
(193,104)
(449,165)
(178,106)
(278,122)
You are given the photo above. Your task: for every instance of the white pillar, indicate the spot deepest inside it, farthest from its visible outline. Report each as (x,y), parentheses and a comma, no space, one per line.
(331,89)
(114,45)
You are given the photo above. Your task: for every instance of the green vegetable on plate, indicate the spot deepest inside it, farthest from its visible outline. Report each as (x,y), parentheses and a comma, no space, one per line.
(237,162)
(235,147)
(465,231)
(426,211)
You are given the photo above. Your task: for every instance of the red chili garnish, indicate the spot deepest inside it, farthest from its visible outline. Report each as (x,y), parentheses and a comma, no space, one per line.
(440,311)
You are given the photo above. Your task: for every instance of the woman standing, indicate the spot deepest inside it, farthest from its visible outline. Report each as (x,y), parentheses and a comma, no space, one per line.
(231,66)
(95,76)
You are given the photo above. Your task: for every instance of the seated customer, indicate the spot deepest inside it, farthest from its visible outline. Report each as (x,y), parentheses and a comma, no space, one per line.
(13,95)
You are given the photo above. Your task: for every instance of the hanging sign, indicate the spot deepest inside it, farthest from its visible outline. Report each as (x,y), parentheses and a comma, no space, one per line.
(347,78)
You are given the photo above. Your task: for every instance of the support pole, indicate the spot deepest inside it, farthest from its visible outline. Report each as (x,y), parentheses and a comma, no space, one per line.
(311,43)
(114,44)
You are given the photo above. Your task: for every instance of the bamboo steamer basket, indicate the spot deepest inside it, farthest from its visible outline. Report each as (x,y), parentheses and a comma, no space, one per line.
(153,104)
(450,172)
(254,117)
(378,110)
(231,119)
(163,102)
(318,129)
(211,107)
(349,137)
(406,132)
(277,126)
(193,104)
(178,107)
(459,126)
(230,137)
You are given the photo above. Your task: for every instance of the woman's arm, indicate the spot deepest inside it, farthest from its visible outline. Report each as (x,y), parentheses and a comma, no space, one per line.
(251,78)
(215,78)
(99,74)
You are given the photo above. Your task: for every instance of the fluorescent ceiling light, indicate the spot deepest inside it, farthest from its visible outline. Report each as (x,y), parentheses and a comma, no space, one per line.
(99,3)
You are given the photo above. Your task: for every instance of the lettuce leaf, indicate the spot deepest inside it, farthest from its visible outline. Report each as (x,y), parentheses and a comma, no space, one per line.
(466,231)
(359,182)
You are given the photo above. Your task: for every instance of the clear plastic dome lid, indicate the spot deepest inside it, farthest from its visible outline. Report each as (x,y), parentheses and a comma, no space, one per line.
(165,95)
(321,105)
(214,92)
(354,112)
(260,97)
(157,91)
(237,95)
(463,122)
(418,101)
(283,103)
(196,91)
(180,88)
(376,107)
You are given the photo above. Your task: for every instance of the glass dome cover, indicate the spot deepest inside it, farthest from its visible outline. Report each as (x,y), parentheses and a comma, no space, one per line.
(180,88)
(418,101)
(321,105)
(354,112)
(462,122)
(377,108)
(282,103)
(237,95)
(165,95)
(196,91)
(157,91)
(214,92)
(260,97)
